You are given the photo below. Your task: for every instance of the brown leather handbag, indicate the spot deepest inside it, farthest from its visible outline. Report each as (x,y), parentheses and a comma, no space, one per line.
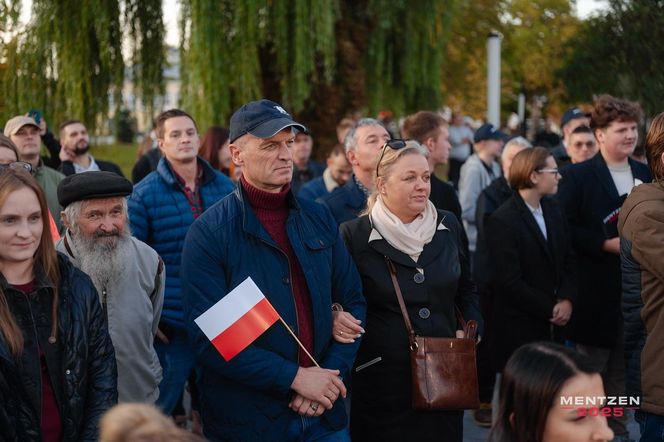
(443,370)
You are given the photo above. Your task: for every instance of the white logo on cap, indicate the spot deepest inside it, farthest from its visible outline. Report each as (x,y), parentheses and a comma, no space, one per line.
(281,109)
(493,129)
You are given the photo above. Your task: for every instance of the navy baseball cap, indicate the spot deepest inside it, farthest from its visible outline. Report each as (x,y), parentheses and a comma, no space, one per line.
(488,131)
(572,114)
(262,119)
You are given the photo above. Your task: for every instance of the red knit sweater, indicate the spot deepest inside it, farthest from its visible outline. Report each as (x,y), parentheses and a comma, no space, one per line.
(272,211)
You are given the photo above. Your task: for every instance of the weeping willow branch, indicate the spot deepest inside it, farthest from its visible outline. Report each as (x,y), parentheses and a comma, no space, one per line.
(230,45)
(146,31)
(68,61)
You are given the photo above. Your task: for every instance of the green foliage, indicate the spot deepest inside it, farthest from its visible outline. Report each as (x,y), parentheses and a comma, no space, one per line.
(405,53)
(231,47)
(146,29)
(619,53)
(68,60)
(535,41)
(122,154)
(464,69)
(125,126)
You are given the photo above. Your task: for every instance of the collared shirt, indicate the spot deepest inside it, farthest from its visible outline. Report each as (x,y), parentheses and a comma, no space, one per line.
(193,196)
(330,183)
(362,187)
(93,166)
(538,214)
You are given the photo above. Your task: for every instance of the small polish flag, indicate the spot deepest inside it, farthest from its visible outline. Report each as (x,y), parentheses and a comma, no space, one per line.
(238,319)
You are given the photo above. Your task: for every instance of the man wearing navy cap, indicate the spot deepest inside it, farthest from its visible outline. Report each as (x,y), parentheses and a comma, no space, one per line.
(572,118)
(128,275)
(477,173)
(271,391)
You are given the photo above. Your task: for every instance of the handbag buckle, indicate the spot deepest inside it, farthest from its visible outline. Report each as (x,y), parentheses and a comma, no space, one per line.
(414,346)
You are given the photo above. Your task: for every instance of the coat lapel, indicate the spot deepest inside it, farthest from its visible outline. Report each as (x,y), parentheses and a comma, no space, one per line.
(433,249)
(554,227)
(534,228)
(604,176)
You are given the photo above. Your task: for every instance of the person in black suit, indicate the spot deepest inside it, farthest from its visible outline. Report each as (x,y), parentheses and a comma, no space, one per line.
(592,193)
(425,245)
(532,267)
(432,132)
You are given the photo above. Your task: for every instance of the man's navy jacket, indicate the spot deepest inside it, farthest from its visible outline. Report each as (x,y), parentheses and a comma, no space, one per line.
(247,398)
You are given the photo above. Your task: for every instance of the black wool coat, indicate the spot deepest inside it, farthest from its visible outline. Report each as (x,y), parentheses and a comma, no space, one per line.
(381,400)
(588,196)
(529,274)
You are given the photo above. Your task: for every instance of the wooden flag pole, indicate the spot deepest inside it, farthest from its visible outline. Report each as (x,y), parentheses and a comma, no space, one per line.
(298,341)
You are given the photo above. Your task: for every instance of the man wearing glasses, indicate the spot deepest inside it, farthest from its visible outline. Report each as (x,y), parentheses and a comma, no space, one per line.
(363,146)
(24,132)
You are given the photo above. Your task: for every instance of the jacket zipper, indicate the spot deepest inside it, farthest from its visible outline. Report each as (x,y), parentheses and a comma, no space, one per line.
(290,276)
(104,307)
(34,329)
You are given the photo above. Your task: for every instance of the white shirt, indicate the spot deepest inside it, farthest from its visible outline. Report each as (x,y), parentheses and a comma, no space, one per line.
(538,214)
(92,167)
(623,178)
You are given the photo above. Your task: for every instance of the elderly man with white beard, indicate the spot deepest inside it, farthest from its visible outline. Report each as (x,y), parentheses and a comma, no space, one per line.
(128,274)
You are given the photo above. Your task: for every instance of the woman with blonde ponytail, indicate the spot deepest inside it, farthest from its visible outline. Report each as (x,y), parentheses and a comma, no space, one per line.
(424,244)
(57,365)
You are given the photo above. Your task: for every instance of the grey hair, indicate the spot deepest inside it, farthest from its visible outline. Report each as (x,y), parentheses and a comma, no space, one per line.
(350,142)
(73,210)
(516,141)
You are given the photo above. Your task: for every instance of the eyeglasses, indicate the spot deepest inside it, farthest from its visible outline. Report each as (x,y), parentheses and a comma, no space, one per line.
(395,144)
(551,171)
(17,165)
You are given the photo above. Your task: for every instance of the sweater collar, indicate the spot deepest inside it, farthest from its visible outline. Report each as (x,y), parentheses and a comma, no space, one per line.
(260,199)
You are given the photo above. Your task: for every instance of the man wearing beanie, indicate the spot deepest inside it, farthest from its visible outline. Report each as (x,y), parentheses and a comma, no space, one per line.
(272,390)
(128,275)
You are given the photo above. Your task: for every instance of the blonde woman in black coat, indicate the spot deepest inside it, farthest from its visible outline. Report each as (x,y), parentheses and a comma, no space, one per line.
(425,246)
(532,267)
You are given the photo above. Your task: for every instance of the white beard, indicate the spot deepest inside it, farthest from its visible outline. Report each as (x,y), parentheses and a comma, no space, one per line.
(103,262)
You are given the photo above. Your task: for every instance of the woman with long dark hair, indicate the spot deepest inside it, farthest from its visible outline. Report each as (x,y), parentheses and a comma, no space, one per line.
(535,379)
(57,364)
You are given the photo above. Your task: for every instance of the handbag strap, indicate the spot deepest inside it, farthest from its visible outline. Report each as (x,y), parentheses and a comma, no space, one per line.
(402,305)
(470,328)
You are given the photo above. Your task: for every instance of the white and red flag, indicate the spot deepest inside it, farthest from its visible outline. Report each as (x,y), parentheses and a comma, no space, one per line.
(238,319)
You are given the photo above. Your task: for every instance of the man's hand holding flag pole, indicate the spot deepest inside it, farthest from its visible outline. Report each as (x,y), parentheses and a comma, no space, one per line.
(240,317)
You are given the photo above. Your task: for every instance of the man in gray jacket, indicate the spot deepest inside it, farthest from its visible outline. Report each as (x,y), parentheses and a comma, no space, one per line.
(127,273)
(477,173)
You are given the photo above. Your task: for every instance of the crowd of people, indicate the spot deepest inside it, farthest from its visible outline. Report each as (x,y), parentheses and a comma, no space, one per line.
(554,252)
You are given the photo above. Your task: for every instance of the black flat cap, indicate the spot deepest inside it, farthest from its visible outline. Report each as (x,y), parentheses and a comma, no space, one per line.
(92,185)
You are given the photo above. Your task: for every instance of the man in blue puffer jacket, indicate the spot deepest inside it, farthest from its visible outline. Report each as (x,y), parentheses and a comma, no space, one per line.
(161,209)
(271,391)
